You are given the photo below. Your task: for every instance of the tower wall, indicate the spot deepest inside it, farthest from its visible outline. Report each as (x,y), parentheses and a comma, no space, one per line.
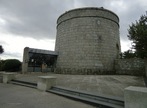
(87,41)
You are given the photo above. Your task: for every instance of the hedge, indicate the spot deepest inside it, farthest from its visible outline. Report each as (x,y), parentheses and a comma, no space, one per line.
(11,65)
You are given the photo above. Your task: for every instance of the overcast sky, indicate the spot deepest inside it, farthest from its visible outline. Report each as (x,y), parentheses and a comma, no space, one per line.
(32,23)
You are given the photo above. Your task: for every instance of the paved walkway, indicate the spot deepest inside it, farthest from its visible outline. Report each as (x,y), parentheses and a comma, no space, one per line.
(112,85)
(15,96)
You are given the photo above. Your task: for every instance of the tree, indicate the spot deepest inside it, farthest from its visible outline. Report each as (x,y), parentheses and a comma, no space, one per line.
(138,36)
(11,65)
(1,49)
(127,54)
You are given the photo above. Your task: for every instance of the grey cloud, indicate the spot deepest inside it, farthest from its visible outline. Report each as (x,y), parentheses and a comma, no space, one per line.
(34,18)
(3,43)
(133,11)
(12,55)
(90,3)
(37,18)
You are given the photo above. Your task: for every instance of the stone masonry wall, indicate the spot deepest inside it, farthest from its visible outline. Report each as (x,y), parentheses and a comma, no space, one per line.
(134,66)
(87,41)
(25,60)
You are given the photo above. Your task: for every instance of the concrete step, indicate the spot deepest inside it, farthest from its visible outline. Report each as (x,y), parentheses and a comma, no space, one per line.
(24,83)
(102,101)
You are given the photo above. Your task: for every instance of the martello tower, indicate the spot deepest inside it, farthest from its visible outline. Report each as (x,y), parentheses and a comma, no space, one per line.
(87,41)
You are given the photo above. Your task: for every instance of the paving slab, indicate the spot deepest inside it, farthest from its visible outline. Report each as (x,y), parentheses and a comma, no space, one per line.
(112,85)
(14,96)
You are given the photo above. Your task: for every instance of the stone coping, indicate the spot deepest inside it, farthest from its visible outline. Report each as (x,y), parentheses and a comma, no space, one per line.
(9,73)
(137,89)
(47,77)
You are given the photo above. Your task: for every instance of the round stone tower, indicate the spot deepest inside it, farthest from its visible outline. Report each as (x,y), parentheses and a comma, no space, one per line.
(87,41)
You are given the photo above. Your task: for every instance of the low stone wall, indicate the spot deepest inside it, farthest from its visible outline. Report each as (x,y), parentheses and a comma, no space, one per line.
(134,66)
(83,71)
(38,69)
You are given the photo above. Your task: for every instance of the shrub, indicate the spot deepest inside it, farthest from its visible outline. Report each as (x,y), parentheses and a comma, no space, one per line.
(11,65)
(1,64)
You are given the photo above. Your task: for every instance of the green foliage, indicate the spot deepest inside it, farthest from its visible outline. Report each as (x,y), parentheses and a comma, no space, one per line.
(138,35)
(1,64)
(128,54)
(11,65)
(1,49)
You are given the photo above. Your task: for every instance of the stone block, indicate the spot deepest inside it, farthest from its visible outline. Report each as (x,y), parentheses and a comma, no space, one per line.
(1,73)
(135,97)
(8,77)
(46,82)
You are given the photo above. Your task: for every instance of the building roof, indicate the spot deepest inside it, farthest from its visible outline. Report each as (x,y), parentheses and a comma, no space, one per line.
(41,51)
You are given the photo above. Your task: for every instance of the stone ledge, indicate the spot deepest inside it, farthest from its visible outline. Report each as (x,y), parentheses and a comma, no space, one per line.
(8,77)
(135,97)
(1,73)
(46,82)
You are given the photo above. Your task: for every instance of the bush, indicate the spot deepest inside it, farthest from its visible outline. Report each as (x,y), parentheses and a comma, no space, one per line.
(1,64)
(11,65)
